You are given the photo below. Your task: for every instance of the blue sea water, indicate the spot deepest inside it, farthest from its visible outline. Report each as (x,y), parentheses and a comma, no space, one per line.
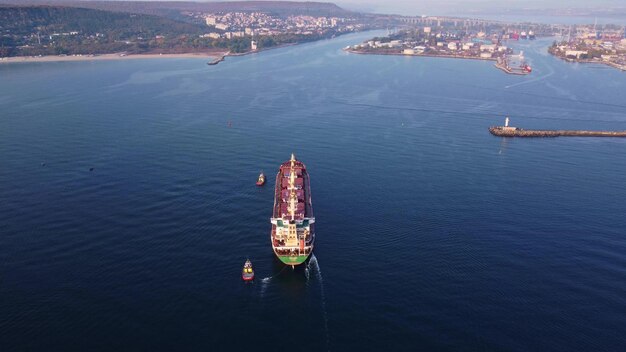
(431,233)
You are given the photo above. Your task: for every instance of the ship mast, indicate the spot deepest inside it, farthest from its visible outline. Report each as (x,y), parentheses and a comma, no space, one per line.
(293,199)
(292,237)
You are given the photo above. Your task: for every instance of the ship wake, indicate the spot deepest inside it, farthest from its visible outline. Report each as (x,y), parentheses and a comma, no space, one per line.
(313,265)
(537,79)
(267,280)
(264,282)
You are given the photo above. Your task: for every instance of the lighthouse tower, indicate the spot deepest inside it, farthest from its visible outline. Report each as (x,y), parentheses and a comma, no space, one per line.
(506,124)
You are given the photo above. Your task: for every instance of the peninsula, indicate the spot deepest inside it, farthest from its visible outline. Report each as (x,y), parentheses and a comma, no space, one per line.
(595,44)
(454,38)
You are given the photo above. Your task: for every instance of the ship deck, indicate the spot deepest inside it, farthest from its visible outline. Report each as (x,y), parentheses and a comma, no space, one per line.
(303,207)
(304,195)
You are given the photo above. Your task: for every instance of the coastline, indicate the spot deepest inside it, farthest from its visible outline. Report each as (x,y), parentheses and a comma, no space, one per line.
(587,61)
(118,56)
(504,69)
(422,55)
(500,67)
(262,49)
(213,58)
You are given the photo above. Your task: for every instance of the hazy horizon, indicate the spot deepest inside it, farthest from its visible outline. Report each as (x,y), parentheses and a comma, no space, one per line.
(472,6)
(435,5)
(522,9)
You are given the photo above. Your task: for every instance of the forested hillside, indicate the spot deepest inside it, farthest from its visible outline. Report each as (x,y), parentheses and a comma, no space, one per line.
(46,19)
(173,9)
(97,27)
(46,30)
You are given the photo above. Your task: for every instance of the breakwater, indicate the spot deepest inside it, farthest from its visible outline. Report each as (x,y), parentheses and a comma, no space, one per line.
(221,58)
(217,60)
(519,132)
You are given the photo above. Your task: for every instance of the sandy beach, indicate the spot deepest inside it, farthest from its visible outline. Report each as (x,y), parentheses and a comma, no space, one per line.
(208,56)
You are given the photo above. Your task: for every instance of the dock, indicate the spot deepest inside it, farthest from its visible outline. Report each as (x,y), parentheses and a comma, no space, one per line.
(511,71)
(522,70)
(508,131)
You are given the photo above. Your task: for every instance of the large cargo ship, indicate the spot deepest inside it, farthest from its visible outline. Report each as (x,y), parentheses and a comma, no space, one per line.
(293,230)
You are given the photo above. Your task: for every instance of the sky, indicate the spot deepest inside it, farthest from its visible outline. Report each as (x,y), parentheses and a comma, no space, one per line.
(403,5)
(433,7)
(457,7)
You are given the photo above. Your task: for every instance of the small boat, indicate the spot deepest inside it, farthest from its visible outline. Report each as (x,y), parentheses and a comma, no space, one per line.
(261,180)
(247,274)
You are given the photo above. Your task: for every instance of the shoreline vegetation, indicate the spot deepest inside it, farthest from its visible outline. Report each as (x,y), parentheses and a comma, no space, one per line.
(115,30)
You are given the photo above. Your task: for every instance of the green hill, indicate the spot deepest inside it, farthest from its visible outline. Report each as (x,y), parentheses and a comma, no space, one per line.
(52,30)
(175,9)
(137,27)
(48,20)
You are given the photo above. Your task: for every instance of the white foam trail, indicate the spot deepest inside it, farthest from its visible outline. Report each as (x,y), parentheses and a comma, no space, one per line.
(318,274)
(264,282)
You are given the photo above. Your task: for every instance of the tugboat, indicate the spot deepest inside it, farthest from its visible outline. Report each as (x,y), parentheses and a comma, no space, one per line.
(261,180)
(247,274)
